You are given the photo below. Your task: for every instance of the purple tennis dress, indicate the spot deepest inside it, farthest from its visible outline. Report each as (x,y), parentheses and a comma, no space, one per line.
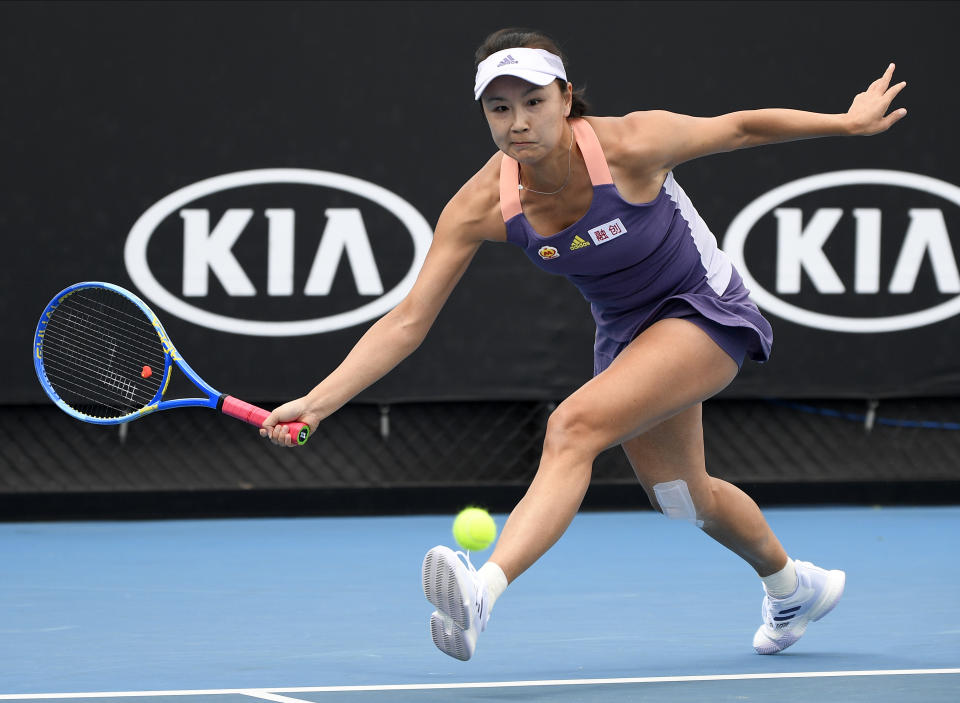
(637,263)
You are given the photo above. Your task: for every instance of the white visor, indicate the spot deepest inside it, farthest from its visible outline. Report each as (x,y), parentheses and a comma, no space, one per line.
(536,66)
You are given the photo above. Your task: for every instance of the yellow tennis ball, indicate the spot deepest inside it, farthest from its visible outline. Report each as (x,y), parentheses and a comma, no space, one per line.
(474,529)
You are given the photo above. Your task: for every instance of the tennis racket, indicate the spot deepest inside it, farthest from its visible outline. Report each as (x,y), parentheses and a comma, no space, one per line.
(103,357)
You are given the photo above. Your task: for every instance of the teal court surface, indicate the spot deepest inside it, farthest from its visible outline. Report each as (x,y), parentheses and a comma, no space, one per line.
(627,606)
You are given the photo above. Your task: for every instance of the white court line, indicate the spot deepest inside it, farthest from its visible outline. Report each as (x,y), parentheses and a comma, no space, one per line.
(270,693)
(274,697)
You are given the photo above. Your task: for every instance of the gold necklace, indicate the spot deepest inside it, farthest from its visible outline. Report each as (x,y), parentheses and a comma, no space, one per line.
(520,186)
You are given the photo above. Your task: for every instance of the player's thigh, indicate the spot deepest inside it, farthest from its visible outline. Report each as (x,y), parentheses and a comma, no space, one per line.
(669,451)
(670,367)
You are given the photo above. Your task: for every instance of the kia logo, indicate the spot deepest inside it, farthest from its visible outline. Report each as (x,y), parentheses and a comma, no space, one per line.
(210,242)
(916,246)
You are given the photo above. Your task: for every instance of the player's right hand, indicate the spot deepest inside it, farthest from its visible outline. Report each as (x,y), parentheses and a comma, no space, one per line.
(275,429)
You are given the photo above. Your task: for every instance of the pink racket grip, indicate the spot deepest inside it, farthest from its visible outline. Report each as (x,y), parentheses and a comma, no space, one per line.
(234,407)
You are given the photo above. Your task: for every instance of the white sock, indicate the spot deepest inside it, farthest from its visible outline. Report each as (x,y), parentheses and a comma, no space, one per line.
(495,581)
(783,583)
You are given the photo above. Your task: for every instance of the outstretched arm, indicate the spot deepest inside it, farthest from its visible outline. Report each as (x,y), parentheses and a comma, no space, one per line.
(393,337)
(683,138)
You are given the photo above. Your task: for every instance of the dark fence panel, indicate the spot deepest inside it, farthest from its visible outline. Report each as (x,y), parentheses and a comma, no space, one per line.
(437,457)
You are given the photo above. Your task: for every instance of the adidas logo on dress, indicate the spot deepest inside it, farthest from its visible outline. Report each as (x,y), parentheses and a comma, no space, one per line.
(578,243)
(508,59)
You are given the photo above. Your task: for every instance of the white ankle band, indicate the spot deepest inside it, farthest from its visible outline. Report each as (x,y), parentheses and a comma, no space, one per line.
(782,583)
(494,579)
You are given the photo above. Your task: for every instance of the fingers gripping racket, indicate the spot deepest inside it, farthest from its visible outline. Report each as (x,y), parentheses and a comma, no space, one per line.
(103,357)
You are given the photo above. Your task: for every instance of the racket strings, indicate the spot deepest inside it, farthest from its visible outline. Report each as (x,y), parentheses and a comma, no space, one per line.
(118,388)
(103,382)
(80,334)
(88,338)
(135,326)
(88,334)
(94,349)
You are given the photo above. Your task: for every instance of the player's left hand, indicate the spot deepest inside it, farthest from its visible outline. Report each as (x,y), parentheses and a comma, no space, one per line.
(868,112)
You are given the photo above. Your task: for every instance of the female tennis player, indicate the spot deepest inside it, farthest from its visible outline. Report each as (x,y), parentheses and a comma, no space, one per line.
(594,199)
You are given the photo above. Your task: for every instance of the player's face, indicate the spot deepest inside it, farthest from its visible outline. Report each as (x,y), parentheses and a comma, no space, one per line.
(527,121)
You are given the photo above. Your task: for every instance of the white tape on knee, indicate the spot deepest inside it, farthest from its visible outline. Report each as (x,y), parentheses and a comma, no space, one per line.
(675,501)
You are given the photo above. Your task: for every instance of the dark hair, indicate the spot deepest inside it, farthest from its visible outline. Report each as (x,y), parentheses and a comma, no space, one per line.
(514,37)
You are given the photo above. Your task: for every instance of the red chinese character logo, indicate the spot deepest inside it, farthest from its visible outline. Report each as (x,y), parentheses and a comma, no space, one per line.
(614,229)
(601,235)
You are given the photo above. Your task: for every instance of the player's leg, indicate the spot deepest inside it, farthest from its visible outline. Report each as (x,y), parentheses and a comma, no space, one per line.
(672,451)
(669,462)
(671,366)
(668,368)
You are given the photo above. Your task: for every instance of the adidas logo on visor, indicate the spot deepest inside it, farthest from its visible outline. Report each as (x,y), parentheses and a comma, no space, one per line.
(507,60)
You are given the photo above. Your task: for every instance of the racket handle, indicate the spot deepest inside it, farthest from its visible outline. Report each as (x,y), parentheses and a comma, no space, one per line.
(234,407)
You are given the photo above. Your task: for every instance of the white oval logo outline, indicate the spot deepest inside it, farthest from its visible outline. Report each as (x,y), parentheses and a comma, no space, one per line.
(741,225)
(135,250)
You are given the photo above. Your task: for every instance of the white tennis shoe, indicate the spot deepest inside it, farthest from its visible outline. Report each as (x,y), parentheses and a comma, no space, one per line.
(459,595)
(786,619)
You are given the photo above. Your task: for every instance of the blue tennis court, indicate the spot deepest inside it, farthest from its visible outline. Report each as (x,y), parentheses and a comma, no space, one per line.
(627,606)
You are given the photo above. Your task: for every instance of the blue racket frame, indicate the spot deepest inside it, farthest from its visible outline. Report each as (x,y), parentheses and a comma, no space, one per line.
(213,398)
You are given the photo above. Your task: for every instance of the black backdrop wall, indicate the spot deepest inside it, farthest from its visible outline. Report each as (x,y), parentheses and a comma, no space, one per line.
(122,122)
